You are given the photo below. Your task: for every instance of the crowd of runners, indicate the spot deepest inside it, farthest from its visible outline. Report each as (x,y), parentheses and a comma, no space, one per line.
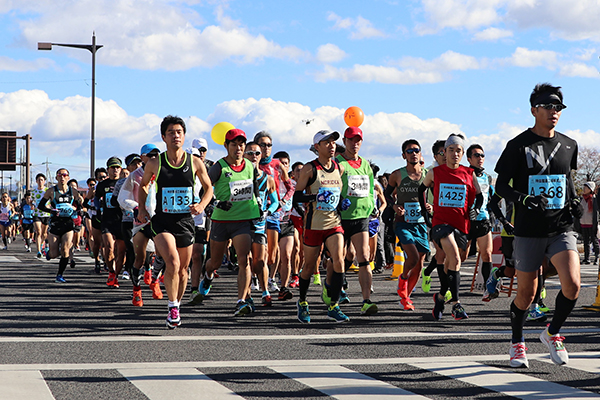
(158,216)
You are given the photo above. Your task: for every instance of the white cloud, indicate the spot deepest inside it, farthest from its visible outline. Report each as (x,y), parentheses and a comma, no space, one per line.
(448,61)
(9,64)
(330,53)
(150,35)
(458,14)
(579,70)
(359,27)
(377,73)
(526,58)
(492,34)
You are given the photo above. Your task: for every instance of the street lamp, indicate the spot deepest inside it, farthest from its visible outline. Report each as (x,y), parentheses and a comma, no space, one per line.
(92,48)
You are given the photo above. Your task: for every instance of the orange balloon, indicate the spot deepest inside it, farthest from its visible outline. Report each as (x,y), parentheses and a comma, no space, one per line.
(354,116)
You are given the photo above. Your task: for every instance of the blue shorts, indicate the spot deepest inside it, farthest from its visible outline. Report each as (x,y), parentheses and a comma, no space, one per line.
(273,224)
(412,234)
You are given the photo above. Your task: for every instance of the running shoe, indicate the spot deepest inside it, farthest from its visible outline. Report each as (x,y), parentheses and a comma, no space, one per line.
(194,298)
(173,318)
(272,286)
(254,283)
(344,299)
(543,307)
(116,283)
(250,302)
(558,353)
(303,313)
(402,287)
(60,279)
(242,308)
(335,314)
(535,314)
(156,290)
(48,258)
(438,308)
(110,282)
(125,275)
(354,268)
(316,279)
(325,295)
(295,282)
(518,357)
(137,298)
(543,292)
(407,304)
(27,249)
(97,267)
(267,301)
(147,277)
(204,289)
(368,308)
(72,264)
(285,294)
(491,286)
(458,312)
(38,255)
(448,296)
(425,281)
(378,270)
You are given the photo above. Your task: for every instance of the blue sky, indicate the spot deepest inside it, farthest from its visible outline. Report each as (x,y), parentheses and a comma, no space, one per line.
(418,69)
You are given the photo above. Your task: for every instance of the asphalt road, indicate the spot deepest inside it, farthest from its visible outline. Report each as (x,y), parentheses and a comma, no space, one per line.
(84,339)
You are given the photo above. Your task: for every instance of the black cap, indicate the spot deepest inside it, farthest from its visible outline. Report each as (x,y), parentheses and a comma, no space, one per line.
(131,158)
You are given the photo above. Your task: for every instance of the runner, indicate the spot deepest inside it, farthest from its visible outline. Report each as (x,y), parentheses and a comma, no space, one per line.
(6,212)
(112,237)
(27,208)
(40,218)
(96,218)
(455,188)
(64,201)
(409,224)
(173,225)
(589,222)
(77,222)
(539,161)
(481,227)
(320,185)
(236,205)
(296,217)
(358,187)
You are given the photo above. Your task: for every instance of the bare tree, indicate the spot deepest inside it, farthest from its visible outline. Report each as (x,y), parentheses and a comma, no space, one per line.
(588,167)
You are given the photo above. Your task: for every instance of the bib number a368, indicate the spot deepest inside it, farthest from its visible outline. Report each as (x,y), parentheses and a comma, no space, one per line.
(553,187)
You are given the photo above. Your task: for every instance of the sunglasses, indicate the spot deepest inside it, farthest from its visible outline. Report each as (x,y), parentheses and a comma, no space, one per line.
(202,150)
(266,144)
(557,107)
(478,155)
(440,153)
(63,175)
(411,151)
(253,153)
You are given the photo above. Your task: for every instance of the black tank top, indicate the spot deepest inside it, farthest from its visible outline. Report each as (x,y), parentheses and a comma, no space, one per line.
(174,188)
(65,199)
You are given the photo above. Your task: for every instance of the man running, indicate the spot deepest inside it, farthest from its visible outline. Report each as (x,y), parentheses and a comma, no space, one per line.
(320,185)
(40,218)
(409,224)
(359,188)
(539,161)
(173,224)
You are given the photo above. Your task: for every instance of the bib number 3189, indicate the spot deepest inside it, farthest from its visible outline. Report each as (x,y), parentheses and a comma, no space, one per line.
(553,187)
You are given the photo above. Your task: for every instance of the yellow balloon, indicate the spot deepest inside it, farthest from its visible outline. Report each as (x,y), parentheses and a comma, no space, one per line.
(219,131)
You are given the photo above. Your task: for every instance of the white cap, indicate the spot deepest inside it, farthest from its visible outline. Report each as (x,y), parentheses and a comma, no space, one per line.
(200,142)
(193,151)
(325,135)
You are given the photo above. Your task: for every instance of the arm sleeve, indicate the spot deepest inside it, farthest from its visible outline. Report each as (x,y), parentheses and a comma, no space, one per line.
(422,189)
(495,208)
(274,202)
(478,201)
(42,205)
(214,173)
(389,191)
(289,190)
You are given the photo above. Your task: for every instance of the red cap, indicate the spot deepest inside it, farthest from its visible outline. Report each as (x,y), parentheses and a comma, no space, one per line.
(232,134)
(353,131)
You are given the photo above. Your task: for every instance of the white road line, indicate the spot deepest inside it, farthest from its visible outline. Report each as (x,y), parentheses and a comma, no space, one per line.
(158,384)
(345,384)
(23,385)
(340,336)
(9,259)
(511,383)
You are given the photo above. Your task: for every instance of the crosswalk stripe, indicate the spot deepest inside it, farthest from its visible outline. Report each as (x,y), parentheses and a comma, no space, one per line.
(159,384)
(9,259)
(344,384)
(511,383)
(23,385)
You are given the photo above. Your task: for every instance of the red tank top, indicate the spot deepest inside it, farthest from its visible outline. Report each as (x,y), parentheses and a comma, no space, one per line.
(454,193)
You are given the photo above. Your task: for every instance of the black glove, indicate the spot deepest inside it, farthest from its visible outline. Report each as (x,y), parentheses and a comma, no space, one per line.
(375,213)
(427,217)
(209,210)
(509,228)
(536,202)
(473,213)
(223,205)
(576,208)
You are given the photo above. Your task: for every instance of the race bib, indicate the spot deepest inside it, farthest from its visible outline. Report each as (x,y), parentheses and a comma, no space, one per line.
(107,198)
(27,214)
(64,209)
(552,186)
(4,217)
(358,185)
(127,214)
(241,190)
(412,213)
(328,198)
(177,200)
(452,195)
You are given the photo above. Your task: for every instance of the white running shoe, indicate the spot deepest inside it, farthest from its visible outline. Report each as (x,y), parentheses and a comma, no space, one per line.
(518,357)
(558,353)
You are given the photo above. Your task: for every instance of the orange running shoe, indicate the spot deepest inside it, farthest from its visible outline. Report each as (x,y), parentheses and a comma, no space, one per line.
(110,282)
(148,277)
(156,291)
(116,283)
(137,298)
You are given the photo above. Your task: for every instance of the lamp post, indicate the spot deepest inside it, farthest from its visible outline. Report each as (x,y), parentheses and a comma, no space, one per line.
(92,48)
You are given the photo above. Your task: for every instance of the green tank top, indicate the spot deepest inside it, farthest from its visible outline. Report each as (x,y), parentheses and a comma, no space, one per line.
(408,198)
(358,187)
(237,187)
